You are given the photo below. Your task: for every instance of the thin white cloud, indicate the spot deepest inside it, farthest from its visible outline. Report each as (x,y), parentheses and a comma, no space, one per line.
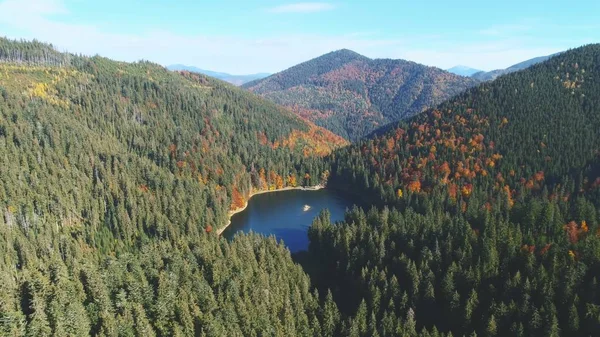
(302,7)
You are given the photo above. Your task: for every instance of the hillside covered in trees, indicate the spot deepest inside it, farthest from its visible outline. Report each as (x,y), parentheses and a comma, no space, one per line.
(353,95)
(491,219)
(114,178)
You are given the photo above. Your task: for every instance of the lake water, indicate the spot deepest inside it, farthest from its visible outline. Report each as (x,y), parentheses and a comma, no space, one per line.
(282,214)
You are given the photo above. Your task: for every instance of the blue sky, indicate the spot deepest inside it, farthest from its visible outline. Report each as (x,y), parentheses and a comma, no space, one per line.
(248,36)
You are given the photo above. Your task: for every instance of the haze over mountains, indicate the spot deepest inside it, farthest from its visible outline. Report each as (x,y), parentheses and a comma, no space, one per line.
(353,95)
(233,79)
(492,75)
(463,70)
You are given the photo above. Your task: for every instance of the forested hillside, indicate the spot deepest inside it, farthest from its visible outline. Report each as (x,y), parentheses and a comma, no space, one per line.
(113,179)
(494,203)
(115,176)
(353,95)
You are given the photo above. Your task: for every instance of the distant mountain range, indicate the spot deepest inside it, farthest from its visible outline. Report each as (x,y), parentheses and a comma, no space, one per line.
(233,79)
(483,76)
(492,75)
(352,95)
(463,70)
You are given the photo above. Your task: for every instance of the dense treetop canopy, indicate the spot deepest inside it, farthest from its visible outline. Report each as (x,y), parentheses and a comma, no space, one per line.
(493,227)
(114,178)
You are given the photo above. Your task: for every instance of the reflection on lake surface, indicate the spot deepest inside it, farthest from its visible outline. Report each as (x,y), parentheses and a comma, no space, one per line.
(285,215)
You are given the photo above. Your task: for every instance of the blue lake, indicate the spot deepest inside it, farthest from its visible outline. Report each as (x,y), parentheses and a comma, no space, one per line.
(282,214)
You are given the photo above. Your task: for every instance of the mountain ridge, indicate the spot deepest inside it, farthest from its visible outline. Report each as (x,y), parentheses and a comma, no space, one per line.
(351,94)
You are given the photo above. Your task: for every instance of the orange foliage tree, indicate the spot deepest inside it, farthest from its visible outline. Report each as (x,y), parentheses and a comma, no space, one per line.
(238,200)
(415,186)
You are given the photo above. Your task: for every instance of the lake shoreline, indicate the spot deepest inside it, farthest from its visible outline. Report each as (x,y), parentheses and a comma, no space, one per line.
(241,209)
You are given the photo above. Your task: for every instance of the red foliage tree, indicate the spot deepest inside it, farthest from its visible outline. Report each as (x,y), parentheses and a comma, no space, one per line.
(572,231)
